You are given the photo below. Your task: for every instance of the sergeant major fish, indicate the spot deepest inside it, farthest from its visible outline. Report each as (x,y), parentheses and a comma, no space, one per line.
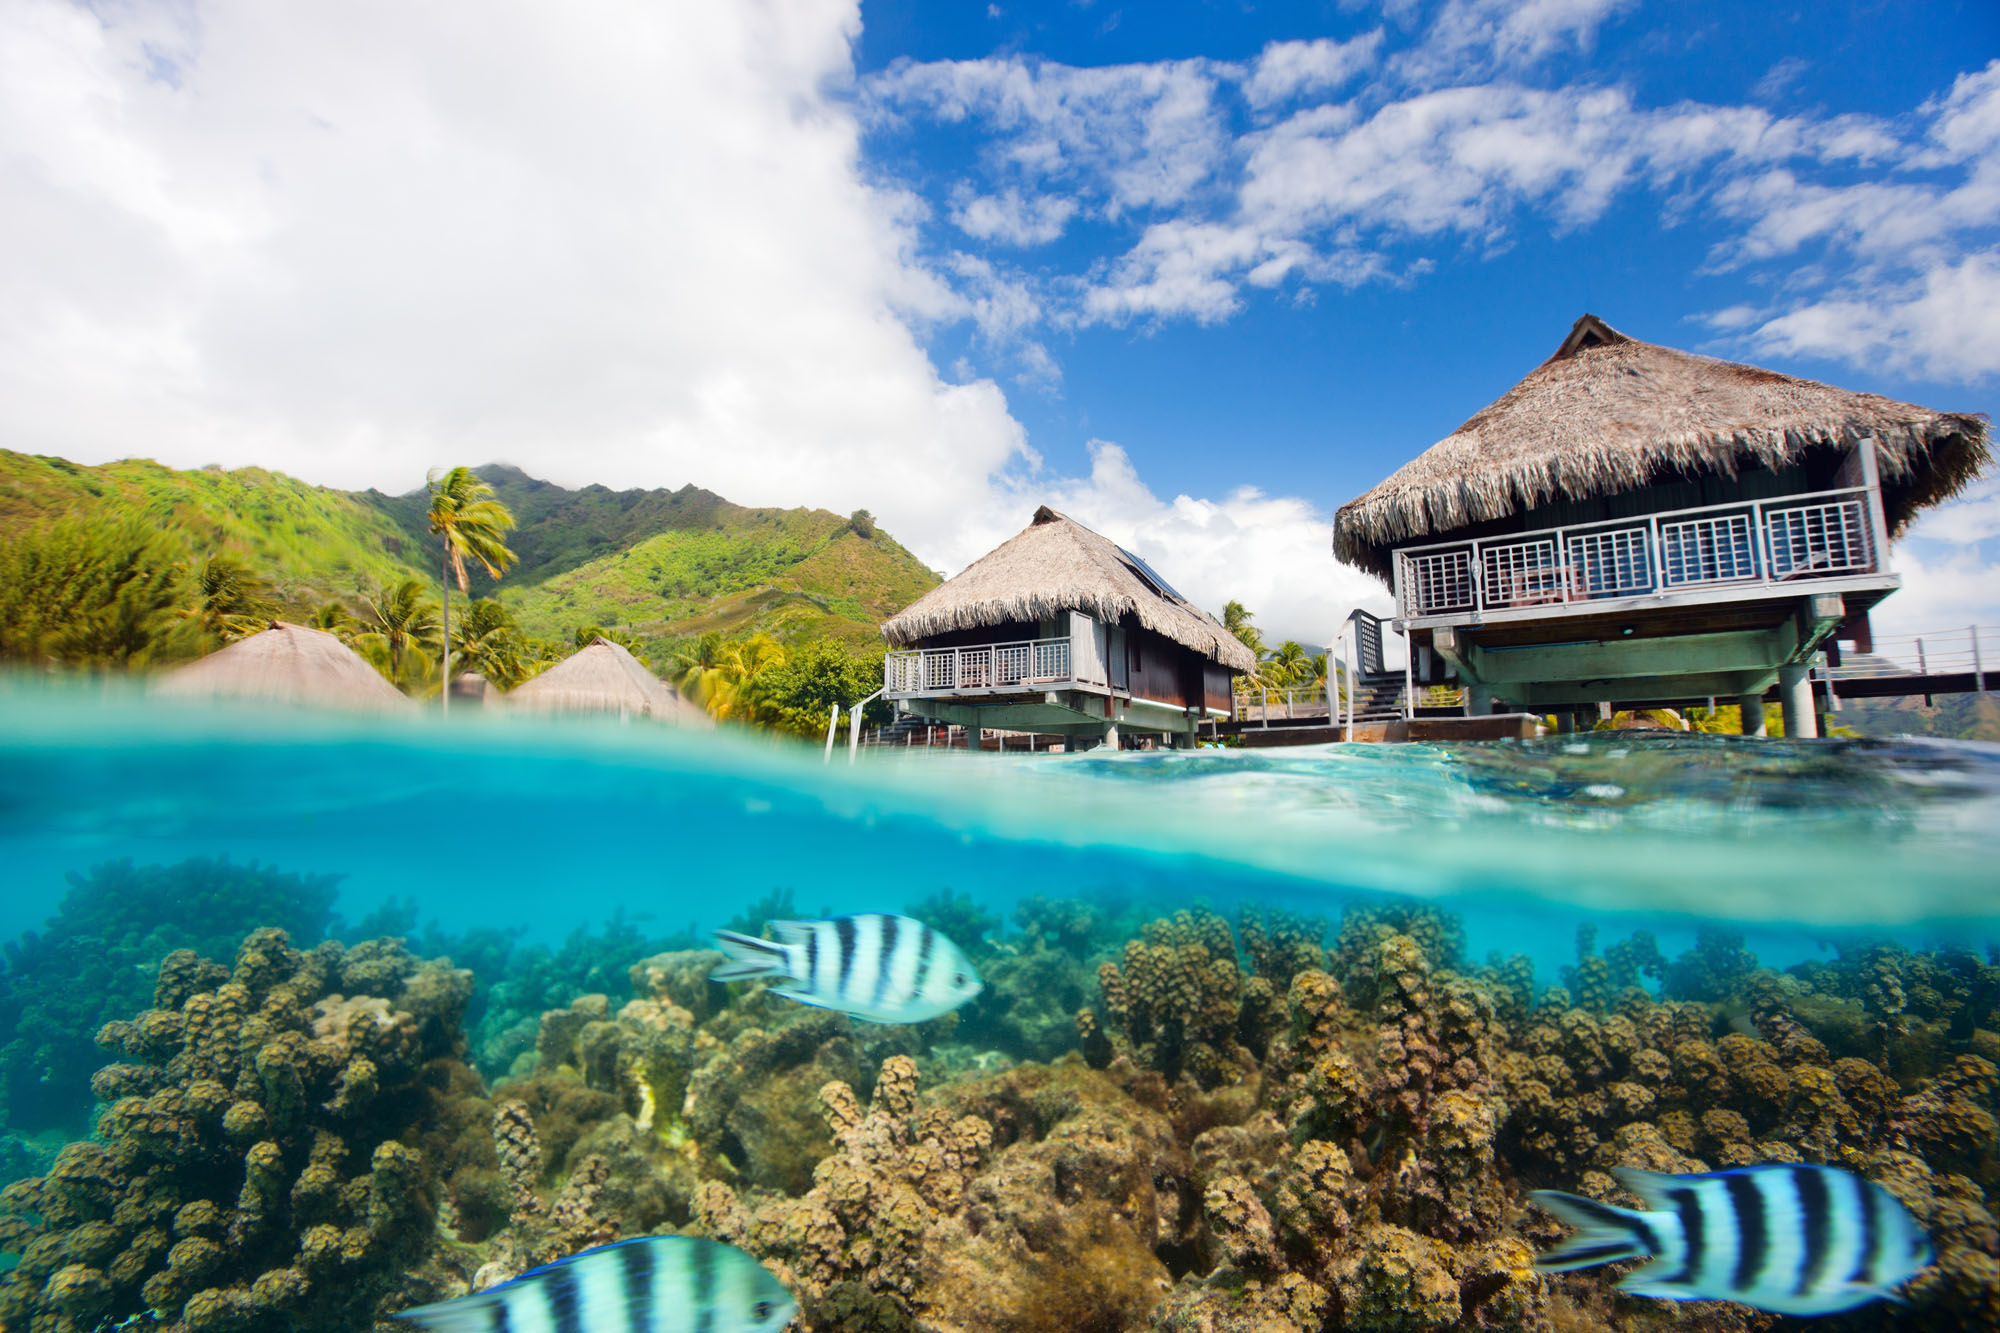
(656,1284)
(888,969)
(1791,1239)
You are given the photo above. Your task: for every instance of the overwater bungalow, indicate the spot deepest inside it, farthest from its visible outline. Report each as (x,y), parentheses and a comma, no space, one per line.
(1633,525)
(286,664)
(1059,630)
(603,677)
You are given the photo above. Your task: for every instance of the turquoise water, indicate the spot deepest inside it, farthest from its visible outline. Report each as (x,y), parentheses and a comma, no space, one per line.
(451,833)
(567,824)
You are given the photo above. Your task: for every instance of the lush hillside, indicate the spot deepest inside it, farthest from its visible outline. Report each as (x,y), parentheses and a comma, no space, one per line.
(312,543)
(661,565)
(1964,717)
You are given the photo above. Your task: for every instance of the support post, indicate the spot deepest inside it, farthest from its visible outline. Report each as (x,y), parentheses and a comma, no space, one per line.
(1478,700)
(1565,722)
(1978,666)
(1111,735)
(975,739)
(832,726)
(1795,698)
(1752,708)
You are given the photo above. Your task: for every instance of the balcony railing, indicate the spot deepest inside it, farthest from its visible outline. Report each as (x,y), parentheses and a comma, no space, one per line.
(1820,535)
(983,668)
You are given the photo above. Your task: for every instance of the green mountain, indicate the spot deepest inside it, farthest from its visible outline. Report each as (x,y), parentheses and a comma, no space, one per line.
(661,565)
(313,543)
(1964,717)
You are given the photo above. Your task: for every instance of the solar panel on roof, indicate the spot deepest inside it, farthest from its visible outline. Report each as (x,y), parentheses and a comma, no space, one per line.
(1146,572)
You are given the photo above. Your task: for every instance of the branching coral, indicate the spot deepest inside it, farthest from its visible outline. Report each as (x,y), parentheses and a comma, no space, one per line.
(272,1154)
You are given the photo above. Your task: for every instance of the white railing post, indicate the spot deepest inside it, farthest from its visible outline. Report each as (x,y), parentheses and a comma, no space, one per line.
(1923,664)
(1264,709)
(832,725)
(854,725)
(1978,666)
(1409,678)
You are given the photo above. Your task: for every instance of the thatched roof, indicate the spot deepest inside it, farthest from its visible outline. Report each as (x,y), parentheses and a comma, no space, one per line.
(1056,565)
(603,677)
(1608,414)
(287,664)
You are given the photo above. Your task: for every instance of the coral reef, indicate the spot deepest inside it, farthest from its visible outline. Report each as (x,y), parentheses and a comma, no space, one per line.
(93,963)
(275,1149)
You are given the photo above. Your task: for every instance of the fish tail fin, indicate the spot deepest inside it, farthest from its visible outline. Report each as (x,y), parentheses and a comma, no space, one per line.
(750,957)
(1604,1234)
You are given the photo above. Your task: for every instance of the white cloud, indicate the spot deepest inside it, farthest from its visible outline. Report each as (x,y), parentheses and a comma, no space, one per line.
(1011,219)
(1285,70)
(1473,39)
(1133,136)
(1272,553)
(1943,325)
(609,243)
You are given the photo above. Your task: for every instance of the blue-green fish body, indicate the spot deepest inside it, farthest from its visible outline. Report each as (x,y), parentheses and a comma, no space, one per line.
(887,969)
(656,1284)
(1788,1238)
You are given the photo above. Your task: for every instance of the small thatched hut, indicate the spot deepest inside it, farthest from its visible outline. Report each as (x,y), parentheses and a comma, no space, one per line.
(603,677)
(1637,525)
(1059,629)
(286,664)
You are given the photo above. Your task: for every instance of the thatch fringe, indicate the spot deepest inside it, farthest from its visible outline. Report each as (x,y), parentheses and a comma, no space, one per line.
(1057,565)
(1609,414)
(604,677)
(285,664)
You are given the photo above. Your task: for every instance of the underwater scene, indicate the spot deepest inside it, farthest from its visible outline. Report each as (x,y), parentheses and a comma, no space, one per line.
(306,1025)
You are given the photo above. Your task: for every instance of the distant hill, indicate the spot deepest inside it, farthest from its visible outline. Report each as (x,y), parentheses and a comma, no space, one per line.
(662,565)
(1963,717)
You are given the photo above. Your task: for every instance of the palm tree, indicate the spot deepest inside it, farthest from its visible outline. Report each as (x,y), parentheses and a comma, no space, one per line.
(226,597)
(485,641)
(471,521)
(694,667)
(333,617)
(1290,664)
(744,670)
(1236,619)
(402,615)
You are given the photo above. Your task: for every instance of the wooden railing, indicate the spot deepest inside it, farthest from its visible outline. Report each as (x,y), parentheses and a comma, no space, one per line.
(1819,535)
(981,668)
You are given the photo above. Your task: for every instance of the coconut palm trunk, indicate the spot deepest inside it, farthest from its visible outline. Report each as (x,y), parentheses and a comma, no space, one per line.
(470,520)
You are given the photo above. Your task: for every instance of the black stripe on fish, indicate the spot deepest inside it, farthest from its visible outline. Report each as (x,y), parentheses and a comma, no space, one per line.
(812,959)
(559,1286)
(703,1286)
(1816,1209)
(844,928)
(1753,1243)
(926,947)
(638,1274)
(1867,1261)
(891,927)
(503,1317)
(1687,1206)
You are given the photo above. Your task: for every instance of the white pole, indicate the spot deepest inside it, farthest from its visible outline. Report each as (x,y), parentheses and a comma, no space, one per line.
(832,725)
(1978,667)
(854,724)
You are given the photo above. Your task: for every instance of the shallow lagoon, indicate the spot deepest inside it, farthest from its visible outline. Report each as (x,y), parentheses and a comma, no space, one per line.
(1807,852)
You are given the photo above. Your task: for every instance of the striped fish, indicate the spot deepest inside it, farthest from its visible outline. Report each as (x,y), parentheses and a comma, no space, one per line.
(1790,1239)
(887,969)
(656,1284)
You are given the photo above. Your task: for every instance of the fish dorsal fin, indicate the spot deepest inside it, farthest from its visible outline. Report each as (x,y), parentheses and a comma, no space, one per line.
(1652,1186)
(791,932)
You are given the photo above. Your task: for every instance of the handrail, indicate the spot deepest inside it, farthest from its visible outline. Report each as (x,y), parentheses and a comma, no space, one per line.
(1742,542)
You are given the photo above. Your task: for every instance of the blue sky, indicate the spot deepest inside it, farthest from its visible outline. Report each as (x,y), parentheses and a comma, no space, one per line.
(1337,381)
(1196,273)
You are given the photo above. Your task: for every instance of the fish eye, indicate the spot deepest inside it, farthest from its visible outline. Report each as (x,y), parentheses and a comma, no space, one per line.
(959,979)
(761,1310)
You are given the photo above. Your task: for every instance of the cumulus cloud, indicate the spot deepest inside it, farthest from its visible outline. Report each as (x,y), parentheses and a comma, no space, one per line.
(1944,324)
(1285,70)
(1272,553)
(1011,219)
